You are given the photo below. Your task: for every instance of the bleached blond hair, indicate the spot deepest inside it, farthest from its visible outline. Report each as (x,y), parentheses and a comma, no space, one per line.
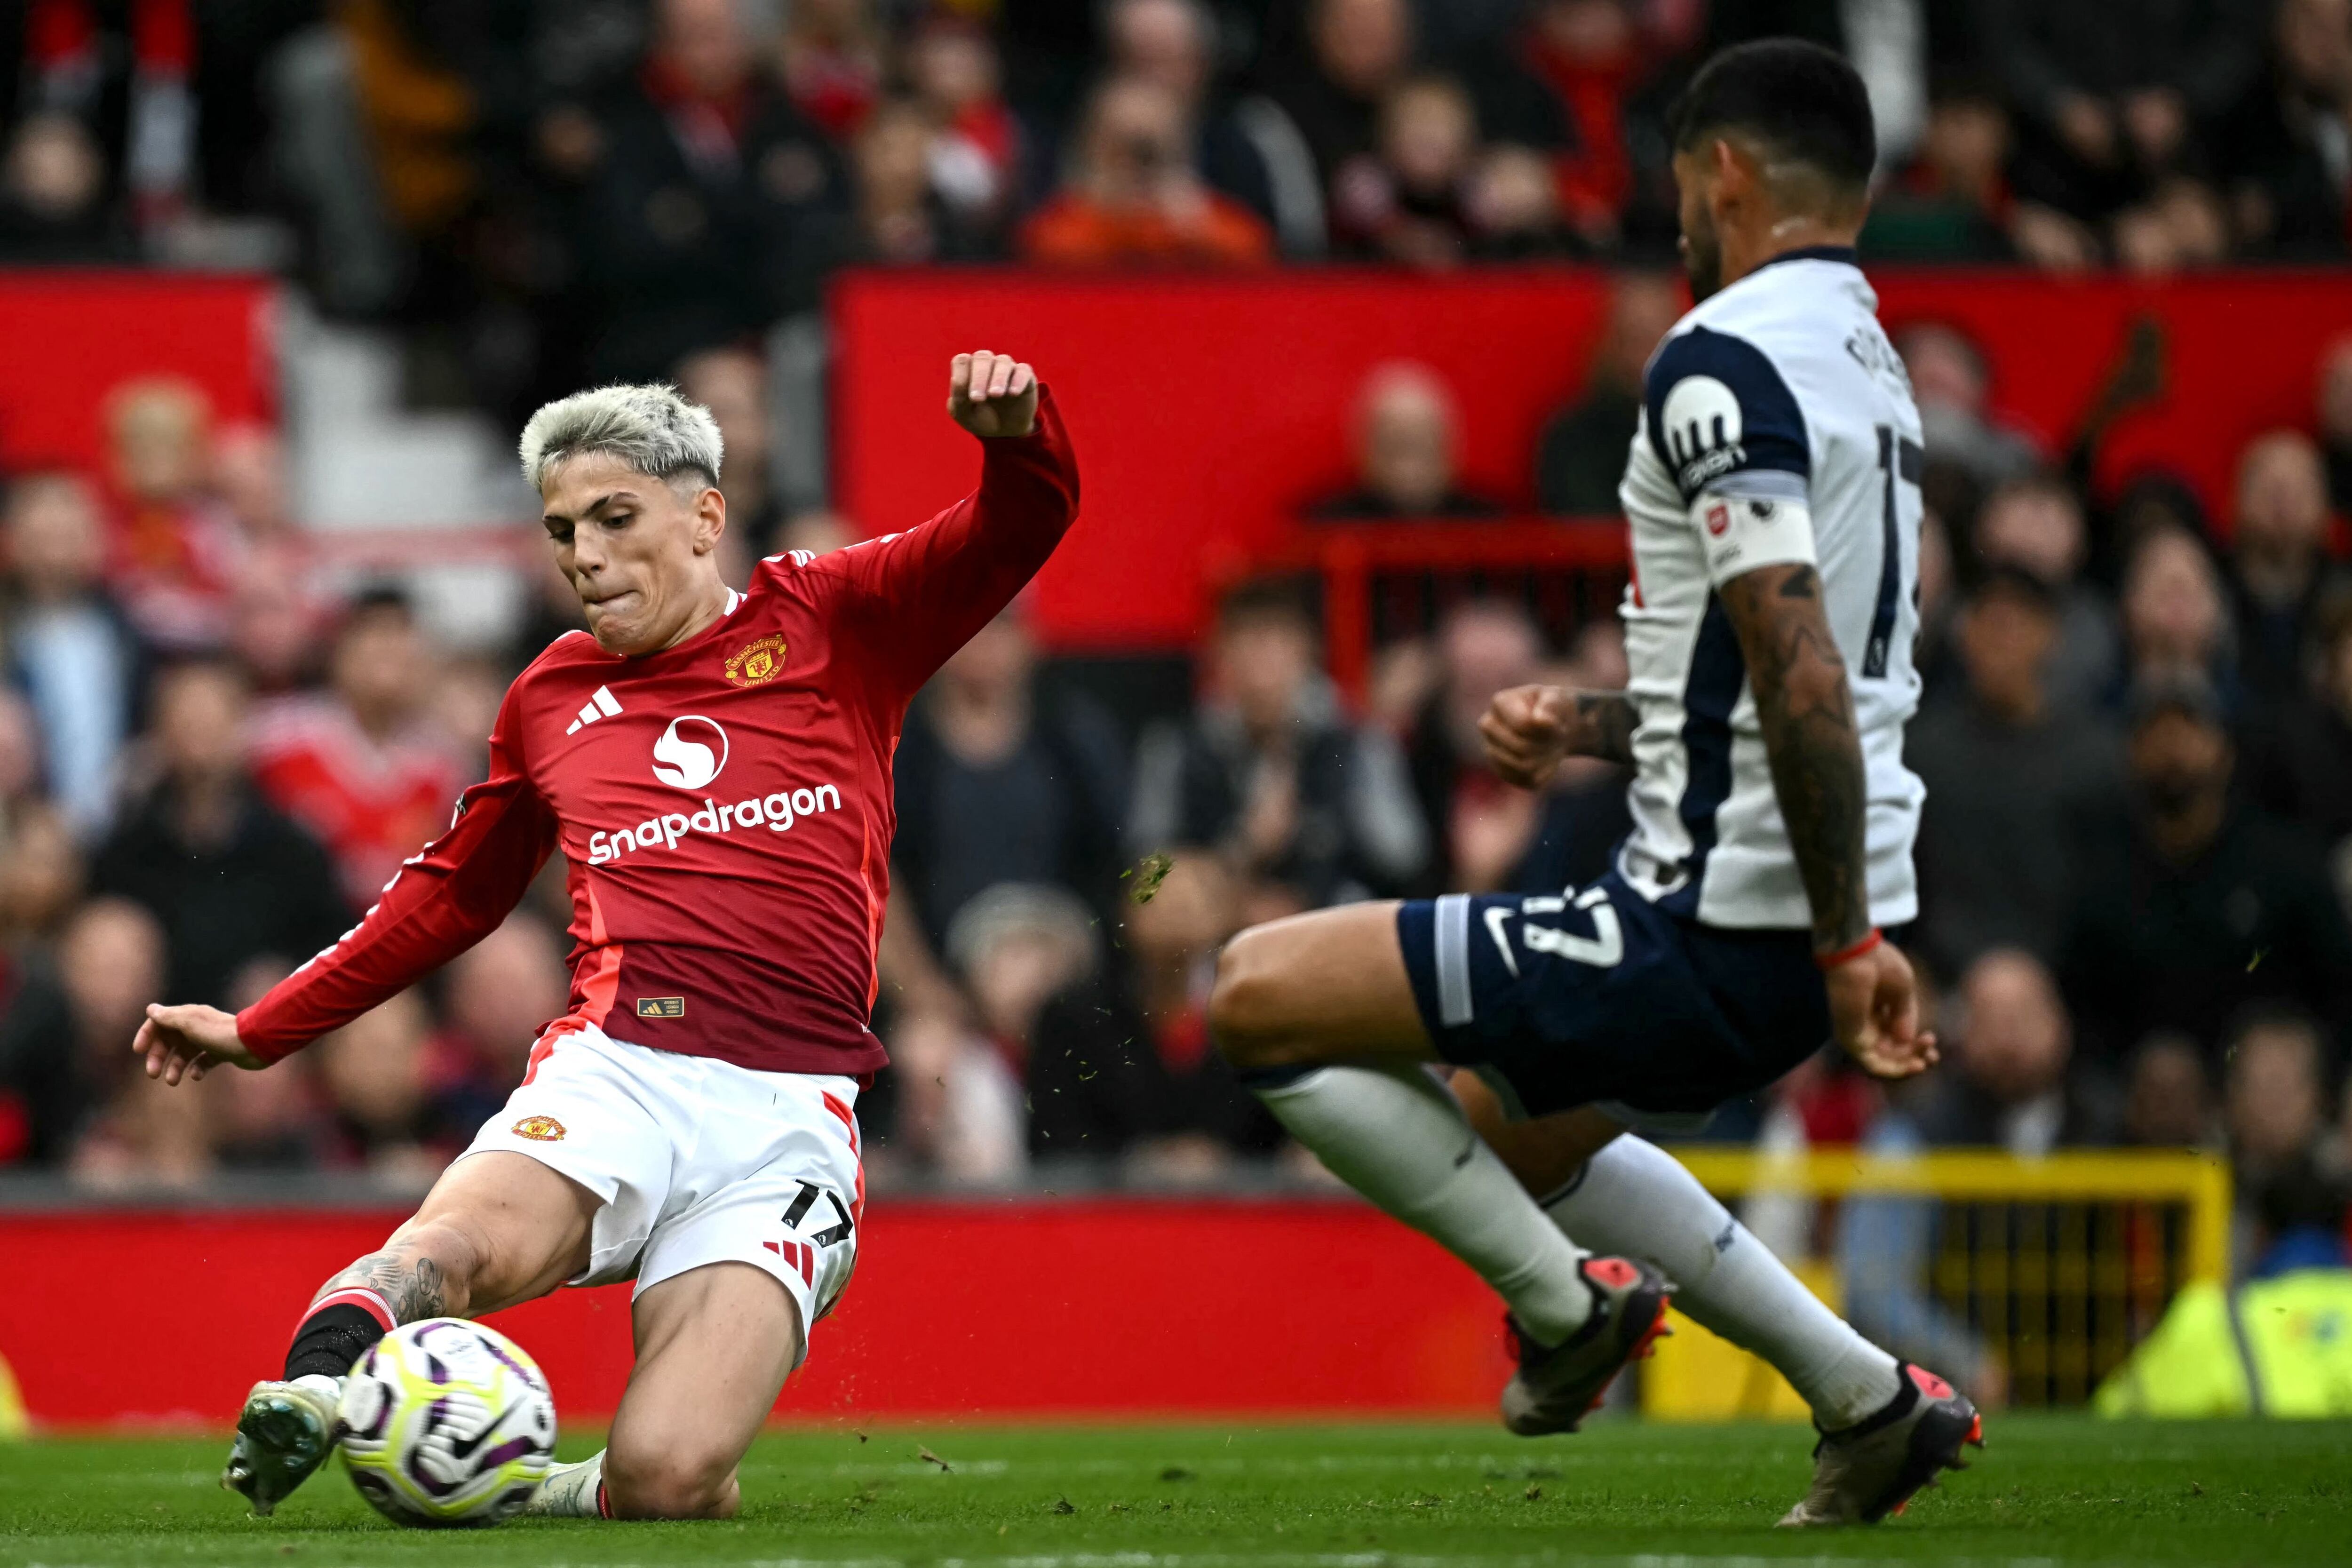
(652,428)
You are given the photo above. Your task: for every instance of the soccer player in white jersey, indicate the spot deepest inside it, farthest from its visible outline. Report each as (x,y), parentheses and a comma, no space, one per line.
(1772,495)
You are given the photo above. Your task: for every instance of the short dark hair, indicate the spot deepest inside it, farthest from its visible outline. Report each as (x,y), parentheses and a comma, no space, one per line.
(1800,99)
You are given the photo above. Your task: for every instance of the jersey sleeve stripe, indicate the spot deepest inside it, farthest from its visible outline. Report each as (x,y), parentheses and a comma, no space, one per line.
(1718,672)
(1758,484)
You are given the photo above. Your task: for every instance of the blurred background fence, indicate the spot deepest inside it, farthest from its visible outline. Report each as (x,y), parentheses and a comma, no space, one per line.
(2052,1268)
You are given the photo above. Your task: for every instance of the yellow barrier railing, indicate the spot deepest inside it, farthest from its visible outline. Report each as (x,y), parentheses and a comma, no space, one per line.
(2058,1265)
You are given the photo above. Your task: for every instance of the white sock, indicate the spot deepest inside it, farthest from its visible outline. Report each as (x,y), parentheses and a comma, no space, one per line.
(1396,1136)
(571,1491)
(1636,1199)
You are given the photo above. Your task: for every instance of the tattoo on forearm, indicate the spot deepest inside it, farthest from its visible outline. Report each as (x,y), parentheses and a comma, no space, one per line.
(1607,719)
(412,1285)
(1806,710)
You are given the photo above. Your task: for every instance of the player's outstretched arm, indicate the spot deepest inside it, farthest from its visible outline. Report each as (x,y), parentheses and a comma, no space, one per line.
(1805,707)
(1528,730)
(441,900)
(189,1042)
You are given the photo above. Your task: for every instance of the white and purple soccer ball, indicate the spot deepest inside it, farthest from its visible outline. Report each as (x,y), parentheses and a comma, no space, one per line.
(446,1423)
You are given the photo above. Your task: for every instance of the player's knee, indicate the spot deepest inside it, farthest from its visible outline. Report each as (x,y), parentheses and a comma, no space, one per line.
(1242,1003)
(679,1483)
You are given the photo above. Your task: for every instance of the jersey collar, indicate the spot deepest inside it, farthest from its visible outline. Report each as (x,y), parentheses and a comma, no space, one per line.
(1840,253)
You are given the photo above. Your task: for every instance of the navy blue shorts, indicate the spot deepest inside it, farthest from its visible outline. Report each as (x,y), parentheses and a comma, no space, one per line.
(1599,997)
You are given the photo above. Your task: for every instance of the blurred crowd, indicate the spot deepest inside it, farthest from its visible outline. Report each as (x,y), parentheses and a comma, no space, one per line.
(2136,854)
(555,191)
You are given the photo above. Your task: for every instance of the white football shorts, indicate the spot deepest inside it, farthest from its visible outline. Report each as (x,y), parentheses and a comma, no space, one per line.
(698,1160)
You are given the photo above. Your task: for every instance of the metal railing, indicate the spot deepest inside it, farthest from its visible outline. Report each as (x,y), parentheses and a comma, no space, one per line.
(2057,1266)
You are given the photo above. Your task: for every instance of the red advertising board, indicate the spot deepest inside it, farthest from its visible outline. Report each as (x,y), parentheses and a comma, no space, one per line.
(1208,411)
(960,1310)
(69,338)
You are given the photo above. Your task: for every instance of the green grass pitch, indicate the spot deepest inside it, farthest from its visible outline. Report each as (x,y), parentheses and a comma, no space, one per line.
(2050,1491)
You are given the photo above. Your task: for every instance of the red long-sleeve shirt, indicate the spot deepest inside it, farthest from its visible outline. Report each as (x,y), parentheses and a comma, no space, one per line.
(725,804)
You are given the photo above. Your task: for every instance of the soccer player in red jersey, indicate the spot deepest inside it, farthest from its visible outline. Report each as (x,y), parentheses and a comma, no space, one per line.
(715,767)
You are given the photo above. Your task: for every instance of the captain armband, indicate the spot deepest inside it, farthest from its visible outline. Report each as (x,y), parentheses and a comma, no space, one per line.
(1745,530)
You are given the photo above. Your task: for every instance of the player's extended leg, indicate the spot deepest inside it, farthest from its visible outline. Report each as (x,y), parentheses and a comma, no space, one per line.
(498,1228)
(1886,1428)
(1318,1014)
(1629,1195)
(714,1346)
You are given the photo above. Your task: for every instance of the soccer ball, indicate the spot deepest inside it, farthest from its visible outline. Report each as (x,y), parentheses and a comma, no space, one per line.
(447,1422)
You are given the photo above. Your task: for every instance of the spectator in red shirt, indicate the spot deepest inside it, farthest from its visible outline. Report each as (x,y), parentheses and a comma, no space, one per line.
(831,54)
(1134,195)
(1565,84)
(975,155)
(361,764)
(177,551)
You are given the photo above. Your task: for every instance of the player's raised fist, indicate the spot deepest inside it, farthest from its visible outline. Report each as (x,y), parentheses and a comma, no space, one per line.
(189,1042)
(1527,730)
(992,393)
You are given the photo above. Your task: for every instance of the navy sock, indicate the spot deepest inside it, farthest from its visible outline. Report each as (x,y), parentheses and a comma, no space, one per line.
(332,1339)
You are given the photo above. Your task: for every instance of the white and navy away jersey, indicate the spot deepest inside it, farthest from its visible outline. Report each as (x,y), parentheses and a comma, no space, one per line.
(1777,427)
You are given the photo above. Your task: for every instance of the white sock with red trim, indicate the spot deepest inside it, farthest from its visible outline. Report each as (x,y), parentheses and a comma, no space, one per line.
(1398,1137)
(1636,1200)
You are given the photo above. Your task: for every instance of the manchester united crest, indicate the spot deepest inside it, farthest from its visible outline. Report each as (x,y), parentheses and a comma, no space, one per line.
(756,662)
(540,1129)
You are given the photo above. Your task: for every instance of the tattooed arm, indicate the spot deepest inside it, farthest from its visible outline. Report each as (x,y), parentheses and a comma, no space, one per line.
(1806,710)
(1805,707)
(1529,729)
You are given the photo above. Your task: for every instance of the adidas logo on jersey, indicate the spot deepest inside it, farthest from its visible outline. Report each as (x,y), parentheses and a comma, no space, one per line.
(603,705)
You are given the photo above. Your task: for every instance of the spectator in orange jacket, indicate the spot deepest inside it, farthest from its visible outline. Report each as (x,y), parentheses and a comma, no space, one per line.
(1133,195)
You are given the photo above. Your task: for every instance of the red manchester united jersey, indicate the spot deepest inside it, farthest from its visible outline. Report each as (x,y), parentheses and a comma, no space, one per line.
(725,804)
